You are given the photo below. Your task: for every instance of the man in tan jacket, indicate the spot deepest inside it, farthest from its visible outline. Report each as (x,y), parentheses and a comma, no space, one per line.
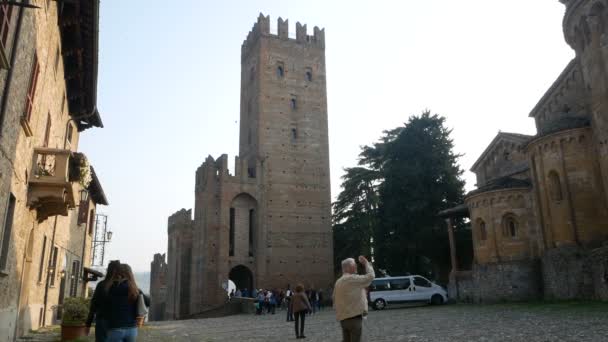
(350,299)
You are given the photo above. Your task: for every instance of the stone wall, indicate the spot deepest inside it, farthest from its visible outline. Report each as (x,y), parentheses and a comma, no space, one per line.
(507,281)
(41,254)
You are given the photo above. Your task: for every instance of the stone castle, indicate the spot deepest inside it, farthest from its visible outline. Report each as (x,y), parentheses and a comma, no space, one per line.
(268,224)
(539,216)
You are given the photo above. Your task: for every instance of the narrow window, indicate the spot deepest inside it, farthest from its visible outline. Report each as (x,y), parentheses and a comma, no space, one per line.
(68,135)
(91,222)
(6,12)
(294,134)
(53,265)
(31,92)
(47,131)
(509,228)
(309,74)
(555,186)
(231,238)
(293,103)
(280,71)
(75,277)
(483,233)
(6,234)
(251,230)
(41,269)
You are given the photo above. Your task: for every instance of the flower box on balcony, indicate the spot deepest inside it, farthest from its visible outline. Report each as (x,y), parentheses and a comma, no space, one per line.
(51,190)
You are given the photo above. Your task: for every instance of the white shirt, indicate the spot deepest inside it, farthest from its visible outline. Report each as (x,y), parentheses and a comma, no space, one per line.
(350,299)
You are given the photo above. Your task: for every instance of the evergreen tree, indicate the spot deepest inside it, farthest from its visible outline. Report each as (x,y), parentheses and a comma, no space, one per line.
(394,197)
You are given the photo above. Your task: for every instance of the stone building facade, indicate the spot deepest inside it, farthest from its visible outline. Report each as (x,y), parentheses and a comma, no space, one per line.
(540,214)
(48,191)
(268,224)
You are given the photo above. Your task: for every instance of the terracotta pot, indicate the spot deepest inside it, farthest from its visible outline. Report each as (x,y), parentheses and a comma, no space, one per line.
(140,321)
(69,333)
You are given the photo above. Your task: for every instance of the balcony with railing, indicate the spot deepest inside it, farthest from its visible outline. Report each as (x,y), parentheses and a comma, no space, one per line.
(53,182)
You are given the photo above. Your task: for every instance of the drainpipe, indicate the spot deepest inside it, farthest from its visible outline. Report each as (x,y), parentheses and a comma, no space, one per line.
(9,76)
(84,244)
(48,275)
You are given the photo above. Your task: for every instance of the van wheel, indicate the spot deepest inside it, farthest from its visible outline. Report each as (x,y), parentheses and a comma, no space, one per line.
(379,304)
(436,299)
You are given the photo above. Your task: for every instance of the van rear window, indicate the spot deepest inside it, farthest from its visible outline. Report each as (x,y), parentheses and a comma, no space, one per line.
(380,285)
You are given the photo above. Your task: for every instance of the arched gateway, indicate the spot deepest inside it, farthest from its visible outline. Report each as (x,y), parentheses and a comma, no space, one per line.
(242,277)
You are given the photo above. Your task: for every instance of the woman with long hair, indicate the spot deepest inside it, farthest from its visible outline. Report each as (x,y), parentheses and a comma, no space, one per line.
(123,295)
(299,306)
(98,309)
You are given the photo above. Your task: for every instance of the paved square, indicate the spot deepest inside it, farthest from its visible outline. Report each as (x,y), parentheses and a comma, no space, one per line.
(454,323)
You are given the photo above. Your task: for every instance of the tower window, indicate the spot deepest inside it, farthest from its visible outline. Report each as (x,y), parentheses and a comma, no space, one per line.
(309,74)
(294,134)
(293,103)
(231,233)
(280,71)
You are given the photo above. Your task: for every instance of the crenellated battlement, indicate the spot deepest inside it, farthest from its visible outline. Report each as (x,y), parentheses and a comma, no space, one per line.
(181,218)
(262,29)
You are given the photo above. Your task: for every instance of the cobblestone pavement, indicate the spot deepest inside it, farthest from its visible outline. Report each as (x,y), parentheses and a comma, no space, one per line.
(455,323)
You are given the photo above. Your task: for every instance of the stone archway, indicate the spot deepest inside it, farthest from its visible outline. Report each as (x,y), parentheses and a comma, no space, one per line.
(242,277)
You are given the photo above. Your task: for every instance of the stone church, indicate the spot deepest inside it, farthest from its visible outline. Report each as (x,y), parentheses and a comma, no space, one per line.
(268,224)
(539,215)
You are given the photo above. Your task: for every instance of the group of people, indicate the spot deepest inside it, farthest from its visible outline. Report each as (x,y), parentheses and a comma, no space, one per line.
(115,306)
(349,300)
(349,297)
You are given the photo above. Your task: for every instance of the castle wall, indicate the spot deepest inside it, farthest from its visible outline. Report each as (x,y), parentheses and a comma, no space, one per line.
(179,262)
(158,288)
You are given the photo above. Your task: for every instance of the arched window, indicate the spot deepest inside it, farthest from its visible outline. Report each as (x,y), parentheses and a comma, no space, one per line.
(483,232)
(293,103)
(555,186)
(309,74)
(509,226)
(280,71)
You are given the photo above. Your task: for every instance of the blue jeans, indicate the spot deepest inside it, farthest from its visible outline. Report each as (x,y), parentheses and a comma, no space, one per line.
(122,335)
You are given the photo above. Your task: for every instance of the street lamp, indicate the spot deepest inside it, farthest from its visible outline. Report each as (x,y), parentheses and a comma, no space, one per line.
(84,195)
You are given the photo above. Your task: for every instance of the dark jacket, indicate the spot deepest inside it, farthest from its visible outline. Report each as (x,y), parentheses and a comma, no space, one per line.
(299,302)
(98,304)
(121,312)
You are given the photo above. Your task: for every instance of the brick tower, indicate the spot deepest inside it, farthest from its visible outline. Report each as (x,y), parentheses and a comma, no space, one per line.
(269,225)
(284,127)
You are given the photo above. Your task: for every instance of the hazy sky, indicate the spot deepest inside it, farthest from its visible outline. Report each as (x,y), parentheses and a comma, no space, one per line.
(169,80)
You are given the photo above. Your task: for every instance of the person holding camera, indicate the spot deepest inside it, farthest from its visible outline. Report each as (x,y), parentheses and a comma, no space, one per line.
(350,299)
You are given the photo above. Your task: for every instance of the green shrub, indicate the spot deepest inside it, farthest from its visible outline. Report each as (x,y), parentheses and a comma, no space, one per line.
(75,311)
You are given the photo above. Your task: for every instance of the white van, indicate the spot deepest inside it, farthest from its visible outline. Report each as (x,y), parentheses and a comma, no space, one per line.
(406,289)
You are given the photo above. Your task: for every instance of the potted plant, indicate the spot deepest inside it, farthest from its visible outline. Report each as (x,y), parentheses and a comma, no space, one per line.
(75,311)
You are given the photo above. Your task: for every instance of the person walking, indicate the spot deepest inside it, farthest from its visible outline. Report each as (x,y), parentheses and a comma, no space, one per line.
(98,310)
(350,299)
(299,306)
(123,295)
(288,295)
